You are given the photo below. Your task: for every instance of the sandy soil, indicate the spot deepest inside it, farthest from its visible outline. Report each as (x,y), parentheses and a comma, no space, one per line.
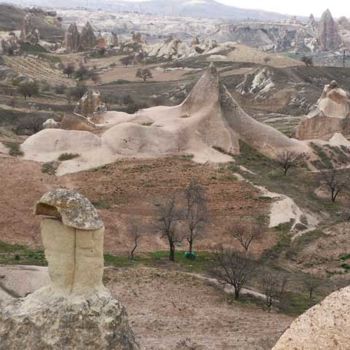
(166,308)
(126,190)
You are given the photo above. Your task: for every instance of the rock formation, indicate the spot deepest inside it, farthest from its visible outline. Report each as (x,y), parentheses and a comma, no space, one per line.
(207,125)
(87,38)
(331,115)
(328,35)
(90,104)
(75,311)
(51,124)
(323,327)
(28,32)
(72,38)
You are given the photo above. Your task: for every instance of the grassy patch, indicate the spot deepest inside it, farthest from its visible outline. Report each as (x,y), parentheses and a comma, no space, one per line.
(14,149)
(68,156)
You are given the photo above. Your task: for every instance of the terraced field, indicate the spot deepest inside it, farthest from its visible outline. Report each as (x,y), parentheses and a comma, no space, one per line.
(37,68)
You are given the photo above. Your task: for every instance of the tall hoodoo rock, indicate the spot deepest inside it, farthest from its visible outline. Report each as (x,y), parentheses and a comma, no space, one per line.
(75,311)
(328,34)
(28,32)
(87,38)
(72,38)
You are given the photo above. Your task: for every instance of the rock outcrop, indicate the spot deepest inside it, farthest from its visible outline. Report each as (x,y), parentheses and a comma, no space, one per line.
(29,33)
(90,104)
(331,115)
(72,38)
(323,327)
(328,34)
(74,311)
(208,125)
(87,38)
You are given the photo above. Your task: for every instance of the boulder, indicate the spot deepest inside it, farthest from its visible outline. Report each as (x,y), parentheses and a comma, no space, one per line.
(328,34)
(72,38)
(74,311)
(323,327)
(51,124)
(87,38)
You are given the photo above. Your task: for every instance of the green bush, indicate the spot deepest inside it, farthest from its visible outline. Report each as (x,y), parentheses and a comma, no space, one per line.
(14,149)
(68,156)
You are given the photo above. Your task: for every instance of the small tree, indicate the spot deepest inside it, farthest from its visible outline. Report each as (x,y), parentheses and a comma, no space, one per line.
(273,285)
(135,233)
(68,70)
(334,181)
(267,59)
(144,74)
(288,159)
(311,283)
(168,216)
(233,268)
(28,89)
(95,77)
(308,61)
(196,213)
(245,233)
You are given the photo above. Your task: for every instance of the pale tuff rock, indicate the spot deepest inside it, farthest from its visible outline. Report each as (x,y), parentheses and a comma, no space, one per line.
(208,125)
(328,34)
(10,45)
(331,115)
(75,310)
(90,104)
(75,210)
(87,38)
(258,83)
(323,327)
(51,124)
(72,38)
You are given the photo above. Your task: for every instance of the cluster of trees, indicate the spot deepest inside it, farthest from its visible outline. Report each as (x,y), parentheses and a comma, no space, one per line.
(81,73)
(180,217)
(333,180)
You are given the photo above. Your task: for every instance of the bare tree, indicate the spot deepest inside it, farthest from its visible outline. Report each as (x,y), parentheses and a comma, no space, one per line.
(311,283)
(69,69)
(168,216)
(196,213)
(288,159)
(233,268)
(308,61)
(273,285)
(134,230)
(245,233)
(334,181)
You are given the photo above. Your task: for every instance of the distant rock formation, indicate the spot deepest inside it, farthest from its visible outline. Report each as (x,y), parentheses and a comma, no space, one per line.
(208,125)
(72,38)
(328,34)
(10,45)
(324,326)
(87,38)
(331,115)
(29,33)
(90,104)
(75,311)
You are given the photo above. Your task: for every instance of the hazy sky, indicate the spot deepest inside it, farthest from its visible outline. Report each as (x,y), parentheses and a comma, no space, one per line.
(295,7)
(298,7)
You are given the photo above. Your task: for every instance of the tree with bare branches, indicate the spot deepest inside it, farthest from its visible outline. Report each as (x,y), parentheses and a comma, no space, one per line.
(334,181)
(288,159)
(196,213)
(273,285)
(245,233)
(233,268)
(168,216)
(311,283)
(135,233)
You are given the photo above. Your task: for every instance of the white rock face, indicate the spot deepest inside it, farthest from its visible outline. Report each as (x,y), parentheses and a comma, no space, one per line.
(323,327)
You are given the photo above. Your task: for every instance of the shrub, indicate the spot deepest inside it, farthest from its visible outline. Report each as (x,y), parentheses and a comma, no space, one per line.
(28,89)
(14,149)
(49,168)
(68,156)
(76,93)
